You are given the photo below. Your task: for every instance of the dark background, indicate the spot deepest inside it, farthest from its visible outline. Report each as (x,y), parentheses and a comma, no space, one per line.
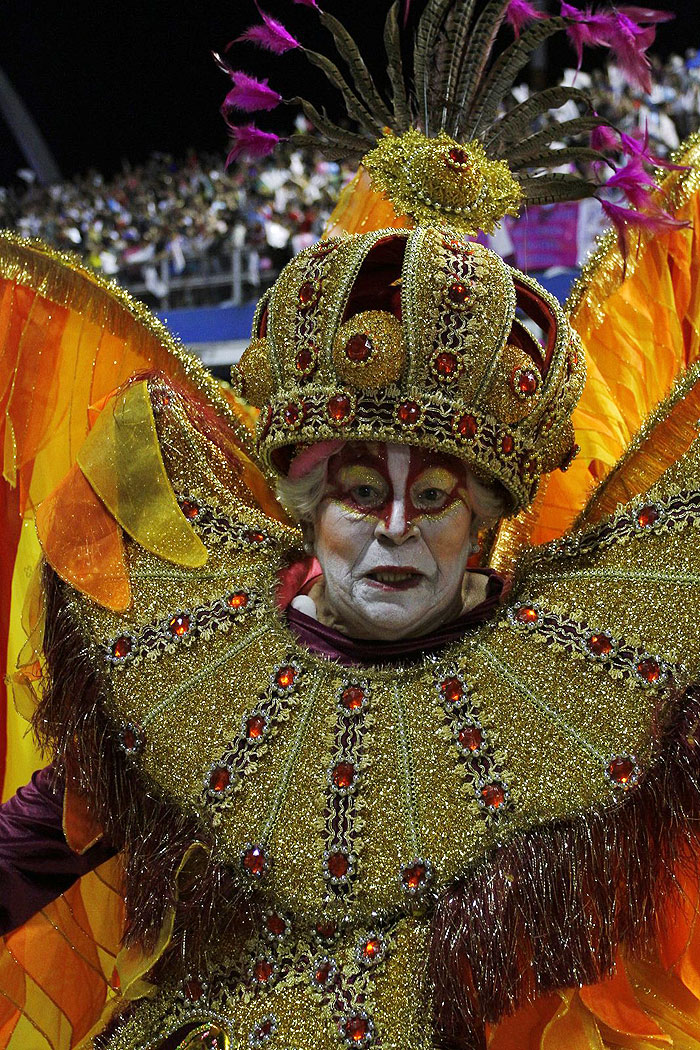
(113,81)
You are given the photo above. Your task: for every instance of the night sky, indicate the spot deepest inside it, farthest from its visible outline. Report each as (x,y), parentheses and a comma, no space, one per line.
(108,81)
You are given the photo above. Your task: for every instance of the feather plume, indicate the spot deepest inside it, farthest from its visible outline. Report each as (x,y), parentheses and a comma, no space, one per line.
(520,12)
(518,121)
(307,3)
(355,109)
(271,36)
(363,82)
(333,132)
(250,142)
(551,189)
(653,220)
(250,94)
(636,183)
(392,47)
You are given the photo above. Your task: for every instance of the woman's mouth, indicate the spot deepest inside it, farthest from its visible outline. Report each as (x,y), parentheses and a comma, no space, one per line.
(393,579)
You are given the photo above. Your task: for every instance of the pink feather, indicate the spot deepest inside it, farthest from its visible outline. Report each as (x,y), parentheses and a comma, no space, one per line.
(520,12)
(626,219)
(250,94)
(636,183)
(622,31)
(249,141)
(271,35)
(634,146)
(307,3)
(604,138)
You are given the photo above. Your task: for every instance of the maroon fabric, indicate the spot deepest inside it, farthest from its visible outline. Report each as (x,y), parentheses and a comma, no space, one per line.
(36,863)
(324,641)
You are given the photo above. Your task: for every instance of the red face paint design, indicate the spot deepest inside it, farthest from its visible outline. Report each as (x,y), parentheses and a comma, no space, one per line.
(359,478)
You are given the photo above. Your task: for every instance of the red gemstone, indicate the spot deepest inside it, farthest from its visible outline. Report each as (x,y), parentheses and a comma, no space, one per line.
(254,860)
(600,644)
(359,347)
(352,698)
(356,1028)
(471,738)
(305,360)
(291,414)
(262,970)
(458,293)
(285,677)
(408,412)
(268,421)
(179,625)
(340,408)
(276,925)
(326,930)
(220,779)
(323,972)
(266,1027)
(130,738)
(308,293)
(621,770)
(452,690)
(255,537)
(458,156)
(648,516)
(493,795)
(338,865)
(194,990)
(649,669)
(189,508)
(237,600)
(467,426)
(255,727)
(343,774)
(122,647)
(527,382)
(526,614)
(372,948)
(446,364)
(414,875)
(507,444)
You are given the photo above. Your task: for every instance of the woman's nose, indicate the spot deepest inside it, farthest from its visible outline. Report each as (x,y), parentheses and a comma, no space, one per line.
(395,526)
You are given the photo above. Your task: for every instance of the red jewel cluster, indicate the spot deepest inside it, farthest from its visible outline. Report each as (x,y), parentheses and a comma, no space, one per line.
(293,415)
(370,949)
(179,624)
(491,796)
(648,516)
(447,366)
(309,292)
(339,866)
(190,509)
(255,861)
(276,926)
(341,409)
(121,648)
(132,739)
(352,698)
(263,1031)
(357,1030)
(409,413)
(359,348)
(600,645)
(524,382)
(284,679)
(306,361)
(323,972)
(623,771)
(471,739)
(416,876)
(458,158)
(342,776)
(263,970)
(466,427)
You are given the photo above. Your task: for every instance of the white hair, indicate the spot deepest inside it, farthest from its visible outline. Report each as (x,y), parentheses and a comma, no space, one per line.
(301,497)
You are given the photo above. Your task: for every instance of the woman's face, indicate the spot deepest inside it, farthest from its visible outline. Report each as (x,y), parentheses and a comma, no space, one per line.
(392,535)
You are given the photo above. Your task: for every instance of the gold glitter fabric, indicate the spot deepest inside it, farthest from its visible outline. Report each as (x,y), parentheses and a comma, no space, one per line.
(441,181)
(448,367)
(342,801)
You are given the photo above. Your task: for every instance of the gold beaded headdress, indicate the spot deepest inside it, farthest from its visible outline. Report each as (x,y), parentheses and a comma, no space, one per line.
(396,327)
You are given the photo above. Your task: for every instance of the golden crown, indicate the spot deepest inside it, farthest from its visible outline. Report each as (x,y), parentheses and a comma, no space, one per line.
(411,336)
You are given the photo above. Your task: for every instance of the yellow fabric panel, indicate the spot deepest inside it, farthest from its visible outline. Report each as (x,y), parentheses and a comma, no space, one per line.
(23,757)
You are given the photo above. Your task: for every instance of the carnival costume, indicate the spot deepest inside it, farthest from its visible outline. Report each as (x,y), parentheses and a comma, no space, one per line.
(489,837)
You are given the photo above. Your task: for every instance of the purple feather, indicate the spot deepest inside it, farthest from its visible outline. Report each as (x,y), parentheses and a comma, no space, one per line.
(634,146)
(636,183)
(625,219)
(250,142)
(620,30)
(271,35)
(520,12)
(604,139)
(250,94)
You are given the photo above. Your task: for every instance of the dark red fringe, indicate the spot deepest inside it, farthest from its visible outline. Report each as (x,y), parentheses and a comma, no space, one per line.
(550,909)
(72,721)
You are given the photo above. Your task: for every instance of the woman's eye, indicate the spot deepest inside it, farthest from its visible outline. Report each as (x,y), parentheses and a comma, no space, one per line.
(365,495)
(432,497)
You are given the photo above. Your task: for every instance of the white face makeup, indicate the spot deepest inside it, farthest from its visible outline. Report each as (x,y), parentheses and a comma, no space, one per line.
(392,535)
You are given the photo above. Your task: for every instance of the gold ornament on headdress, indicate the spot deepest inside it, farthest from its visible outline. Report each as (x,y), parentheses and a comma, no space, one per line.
(439,181)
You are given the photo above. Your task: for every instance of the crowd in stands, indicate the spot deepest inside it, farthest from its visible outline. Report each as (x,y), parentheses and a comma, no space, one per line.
(177,218)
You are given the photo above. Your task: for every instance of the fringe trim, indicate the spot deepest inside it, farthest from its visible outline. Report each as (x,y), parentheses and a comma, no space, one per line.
(550,909)
(71,720)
